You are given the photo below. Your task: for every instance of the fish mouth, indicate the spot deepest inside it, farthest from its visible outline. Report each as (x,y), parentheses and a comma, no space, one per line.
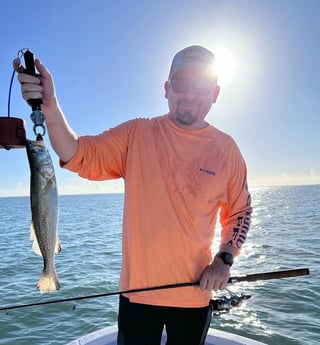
(35,142)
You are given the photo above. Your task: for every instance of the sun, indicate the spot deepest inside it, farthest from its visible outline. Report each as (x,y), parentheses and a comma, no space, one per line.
(225,65)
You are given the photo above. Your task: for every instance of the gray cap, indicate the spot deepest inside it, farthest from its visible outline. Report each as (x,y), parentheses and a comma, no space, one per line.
(193,56)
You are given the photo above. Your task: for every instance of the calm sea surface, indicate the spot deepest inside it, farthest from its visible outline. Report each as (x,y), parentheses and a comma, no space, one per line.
(285,234)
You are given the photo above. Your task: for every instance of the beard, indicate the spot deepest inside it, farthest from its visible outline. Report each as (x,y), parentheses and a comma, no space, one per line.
(187,112)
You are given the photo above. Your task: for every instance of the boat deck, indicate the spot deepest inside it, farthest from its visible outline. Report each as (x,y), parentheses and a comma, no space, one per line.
(108,336)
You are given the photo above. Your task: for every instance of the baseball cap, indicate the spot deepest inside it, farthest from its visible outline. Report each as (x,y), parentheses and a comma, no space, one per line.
(193,56)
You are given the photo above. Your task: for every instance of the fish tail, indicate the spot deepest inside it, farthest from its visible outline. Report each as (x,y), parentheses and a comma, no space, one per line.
(48,282)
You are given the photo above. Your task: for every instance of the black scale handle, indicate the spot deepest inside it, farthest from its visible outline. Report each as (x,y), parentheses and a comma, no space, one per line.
(31,70)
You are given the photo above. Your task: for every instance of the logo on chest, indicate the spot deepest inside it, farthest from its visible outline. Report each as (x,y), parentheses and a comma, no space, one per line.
(207,171)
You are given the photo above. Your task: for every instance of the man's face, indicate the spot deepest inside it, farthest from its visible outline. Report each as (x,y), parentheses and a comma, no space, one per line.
(190,93)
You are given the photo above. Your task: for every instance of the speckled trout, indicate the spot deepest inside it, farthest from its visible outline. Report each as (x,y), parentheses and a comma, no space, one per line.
(44,209)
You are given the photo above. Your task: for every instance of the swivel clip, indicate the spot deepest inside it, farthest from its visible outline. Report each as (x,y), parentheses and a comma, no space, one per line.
(38,117)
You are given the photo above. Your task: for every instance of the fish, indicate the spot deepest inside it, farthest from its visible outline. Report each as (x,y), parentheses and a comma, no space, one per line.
(44,212)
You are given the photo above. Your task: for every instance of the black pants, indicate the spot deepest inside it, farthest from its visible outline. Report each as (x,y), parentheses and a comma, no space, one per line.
(141,324)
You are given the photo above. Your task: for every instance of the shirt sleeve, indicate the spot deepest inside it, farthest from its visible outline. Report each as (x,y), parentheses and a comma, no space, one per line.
(103,156)
(235,213)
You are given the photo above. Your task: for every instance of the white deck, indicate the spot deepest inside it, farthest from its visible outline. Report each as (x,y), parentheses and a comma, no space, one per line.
(108,336)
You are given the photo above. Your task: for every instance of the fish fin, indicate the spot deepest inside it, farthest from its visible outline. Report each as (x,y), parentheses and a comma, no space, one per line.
(57,248)
(33,237)
(48,282)
(32,232)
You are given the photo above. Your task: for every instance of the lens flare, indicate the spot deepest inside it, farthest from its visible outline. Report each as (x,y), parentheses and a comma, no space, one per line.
(225,65)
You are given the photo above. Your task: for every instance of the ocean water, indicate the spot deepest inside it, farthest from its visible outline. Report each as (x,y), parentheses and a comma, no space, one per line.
(285,234)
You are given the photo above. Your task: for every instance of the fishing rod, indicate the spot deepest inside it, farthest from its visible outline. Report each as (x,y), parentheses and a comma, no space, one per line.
(236,279)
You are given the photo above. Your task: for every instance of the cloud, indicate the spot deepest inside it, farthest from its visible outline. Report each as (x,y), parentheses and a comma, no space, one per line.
(83,186)
(75,185)
(285,178)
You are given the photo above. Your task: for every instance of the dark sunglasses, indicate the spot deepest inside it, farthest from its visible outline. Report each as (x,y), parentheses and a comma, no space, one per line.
(201,87)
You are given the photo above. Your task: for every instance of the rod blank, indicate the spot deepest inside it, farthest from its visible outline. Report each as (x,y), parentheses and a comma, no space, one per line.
(246,278)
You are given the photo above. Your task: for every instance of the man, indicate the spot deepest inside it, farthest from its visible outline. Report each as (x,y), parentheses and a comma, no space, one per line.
(179,172)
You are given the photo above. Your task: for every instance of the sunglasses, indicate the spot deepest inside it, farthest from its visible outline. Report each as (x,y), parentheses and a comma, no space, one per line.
(201,87)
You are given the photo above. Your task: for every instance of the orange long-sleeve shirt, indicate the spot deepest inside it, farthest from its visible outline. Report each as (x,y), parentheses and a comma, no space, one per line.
(176,181)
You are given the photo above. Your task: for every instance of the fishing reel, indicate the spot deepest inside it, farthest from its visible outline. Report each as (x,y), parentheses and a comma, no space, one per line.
(223,304)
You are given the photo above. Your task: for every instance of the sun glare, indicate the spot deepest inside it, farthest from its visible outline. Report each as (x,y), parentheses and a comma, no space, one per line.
(225,65)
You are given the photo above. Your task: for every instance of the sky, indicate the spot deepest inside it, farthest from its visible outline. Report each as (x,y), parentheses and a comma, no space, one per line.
(110,60)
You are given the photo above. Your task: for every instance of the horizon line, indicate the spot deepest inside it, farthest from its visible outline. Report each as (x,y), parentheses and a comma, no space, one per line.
(123,192)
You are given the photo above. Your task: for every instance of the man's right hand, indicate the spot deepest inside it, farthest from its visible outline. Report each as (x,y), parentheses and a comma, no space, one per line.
(36,87)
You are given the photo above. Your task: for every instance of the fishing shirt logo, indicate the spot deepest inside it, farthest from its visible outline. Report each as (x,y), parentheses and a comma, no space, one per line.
(207,171)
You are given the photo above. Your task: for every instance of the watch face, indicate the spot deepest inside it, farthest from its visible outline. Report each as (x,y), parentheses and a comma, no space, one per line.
(226,257)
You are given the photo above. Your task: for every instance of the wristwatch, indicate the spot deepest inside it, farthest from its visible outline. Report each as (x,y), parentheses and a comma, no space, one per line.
(226,257)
